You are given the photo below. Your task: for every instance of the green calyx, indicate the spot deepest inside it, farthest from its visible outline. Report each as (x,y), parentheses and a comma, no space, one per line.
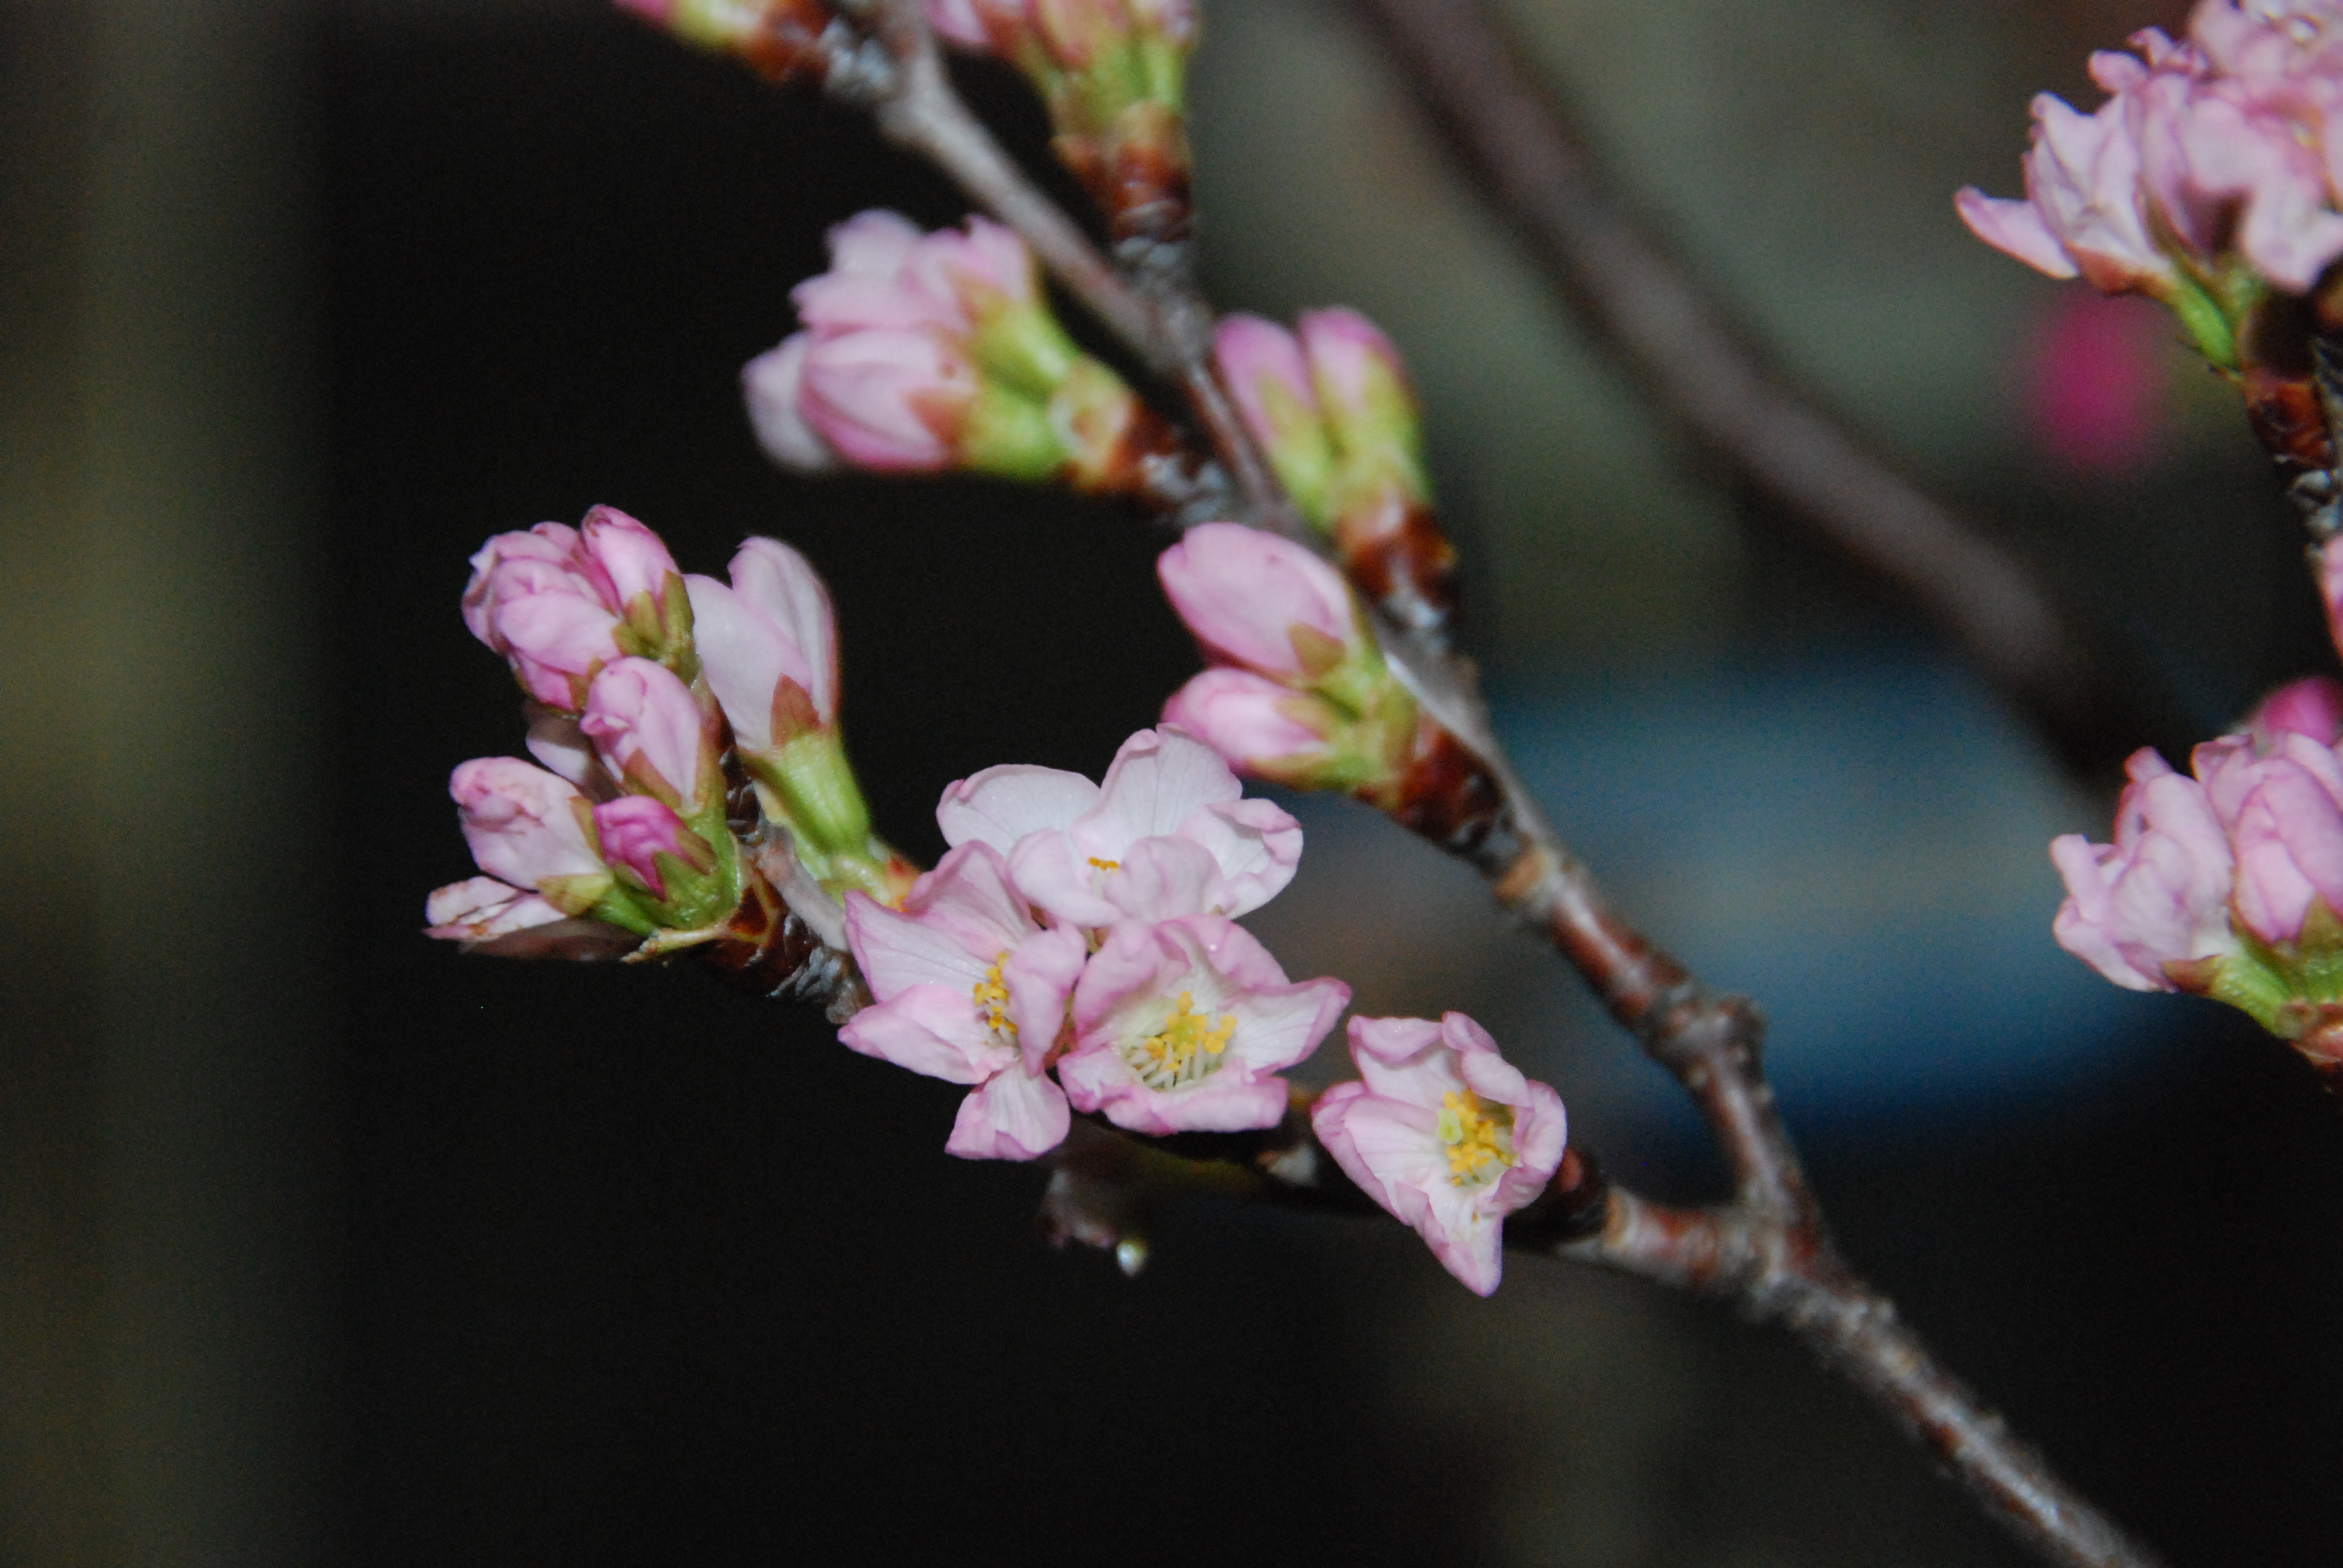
(807,785)
(1348,694)
(659,627)
(2213,303)
(1011,436)
(2291,989)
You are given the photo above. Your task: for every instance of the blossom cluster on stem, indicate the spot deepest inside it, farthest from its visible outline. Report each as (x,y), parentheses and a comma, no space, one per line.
(2206,178)
(1332,406)
(1299,694)
(2227,881)
(1113,75)
(1088,929)
(925,353)
(641,679)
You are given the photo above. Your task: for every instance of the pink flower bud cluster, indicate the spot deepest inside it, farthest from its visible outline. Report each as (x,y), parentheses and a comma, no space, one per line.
(645,676)
(1331,404)
(1088,929)
(1300,695)
(2208,149)
(559,603)
(2248,847)
(926,352)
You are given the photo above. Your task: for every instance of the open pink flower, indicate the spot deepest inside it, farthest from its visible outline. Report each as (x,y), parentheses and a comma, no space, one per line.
(650,732)
(1182,1025)
(1259,601)
(1444,1133)
(527,827)
(2160,893)
(769,643)
(970,989)
(1167,834)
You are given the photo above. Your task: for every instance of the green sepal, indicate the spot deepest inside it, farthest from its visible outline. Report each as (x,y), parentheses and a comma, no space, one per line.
(812,788)
(1021,345)
(1011,436)
(659,627)
(2288,987)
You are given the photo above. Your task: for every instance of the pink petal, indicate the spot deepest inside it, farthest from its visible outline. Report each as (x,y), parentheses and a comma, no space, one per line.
(1001,805)
(1013,1117)
(773,384)
(1161,879)
(932,1029)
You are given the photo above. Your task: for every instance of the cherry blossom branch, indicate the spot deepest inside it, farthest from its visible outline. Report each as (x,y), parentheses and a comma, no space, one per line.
(1768,1249)
(1698,364)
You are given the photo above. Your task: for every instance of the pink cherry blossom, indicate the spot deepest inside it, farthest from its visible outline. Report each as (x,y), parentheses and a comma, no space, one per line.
(481,909)
(624,558)
(2082,211)
(2312,706)
(894,400)
(1167,834)
(971,990)
(1182,1025)
(525,825)
(1243,592)
(649,731)
(538,600)
(1352,363)
(1263,363)
(2282,807)
(1444,1133)
(774,386)
(1250,720)
(769,643)
(636,830)
(2160,893)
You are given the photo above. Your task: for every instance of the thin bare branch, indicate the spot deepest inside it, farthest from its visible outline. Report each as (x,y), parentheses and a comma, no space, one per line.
(1693,361)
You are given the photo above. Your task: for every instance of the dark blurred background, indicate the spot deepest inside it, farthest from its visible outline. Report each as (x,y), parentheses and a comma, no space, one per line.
(323,1245)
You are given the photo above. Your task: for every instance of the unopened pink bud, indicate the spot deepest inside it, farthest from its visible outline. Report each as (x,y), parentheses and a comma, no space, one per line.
(522,823)
(1266,374)
(2312,706)
(538,600)
(1354,368)
(635,830)
(2159,894)
(768,635)
(628,558)
(891,400)
(1260,601)
(774,382)
(650,732)
(876,281)
(1247,719)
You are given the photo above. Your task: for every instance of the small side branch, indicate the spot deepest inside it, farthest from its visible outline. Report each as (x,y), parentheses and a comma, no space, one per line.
(2093,707)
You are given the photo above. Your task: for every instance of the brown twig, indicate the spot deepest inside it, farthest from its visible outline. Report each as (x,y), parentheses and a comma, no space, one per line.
(2092,707)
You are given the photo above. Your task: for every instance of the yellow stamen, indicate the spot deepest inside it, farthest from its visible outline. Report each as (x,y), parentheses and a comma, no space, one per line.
(1480,1139)
(1189,1046)
(1106,865)
(992,995)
